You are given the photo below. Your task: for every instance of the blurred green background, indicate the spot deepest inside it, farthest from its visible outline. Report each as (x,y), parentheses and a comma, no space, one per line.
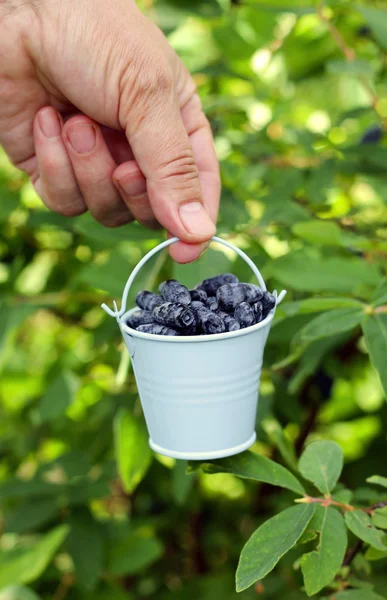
(296,96)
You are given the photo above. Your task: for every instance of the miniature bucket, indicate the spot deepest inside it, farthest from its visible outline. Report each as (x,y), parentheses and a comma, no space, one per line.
(199,393)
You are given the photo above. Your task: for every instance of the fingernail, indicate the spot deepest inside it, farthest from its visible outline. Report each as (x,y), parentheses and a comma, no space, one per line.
(133,187)
(49,123)
(82,138)
(196,219)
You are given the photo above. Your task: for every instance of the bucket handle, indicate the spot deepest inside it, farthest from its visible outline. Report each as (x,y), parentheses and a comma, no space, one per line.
(118,313)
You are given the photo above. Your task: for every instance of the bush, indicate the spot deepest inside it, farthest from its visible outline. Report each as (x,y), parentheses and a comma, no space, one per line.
(295,92)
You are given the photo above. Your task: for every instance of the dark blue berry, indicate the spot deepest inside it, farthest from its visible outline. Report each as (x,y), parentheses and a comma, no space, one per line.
(196,305)
(210,322)
(174,314)
(230,295)
(211,285)
(157,329)
(373,135)
(229,321)
(258,311)
(173,291)
(148,300)
(212,303)
(253,293)
(268,303)
(140,317)
(244,314)
(198,295)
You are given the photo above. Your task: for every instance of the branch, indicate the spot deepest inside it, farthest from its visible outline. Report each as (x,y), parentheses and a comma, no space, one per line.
(350,56)
(352,552)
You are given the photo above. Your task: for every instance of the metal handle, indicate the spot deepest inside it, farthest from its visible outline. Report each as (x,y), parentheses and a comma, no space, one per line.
(118,313)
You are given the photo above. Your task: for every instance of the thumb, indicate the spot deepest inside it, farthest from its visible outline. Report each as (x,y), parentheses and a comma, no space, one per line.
(162,148)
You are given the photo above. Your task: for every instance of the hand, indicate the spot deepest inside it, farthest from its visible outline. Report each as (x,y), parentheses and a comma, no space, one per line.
(100,112)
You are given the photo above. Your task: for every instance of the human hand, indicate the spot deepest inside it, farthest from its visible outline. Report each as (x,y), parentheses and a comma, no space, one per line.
(103,116)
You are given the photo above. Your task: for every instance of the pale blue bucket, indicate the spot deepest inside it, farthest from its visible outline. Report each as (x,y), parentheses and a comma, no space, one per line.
(199,393)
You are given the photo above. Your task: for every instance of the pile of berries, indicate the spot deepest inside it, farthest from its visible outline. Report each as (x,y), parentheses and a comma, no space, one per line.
(217,305)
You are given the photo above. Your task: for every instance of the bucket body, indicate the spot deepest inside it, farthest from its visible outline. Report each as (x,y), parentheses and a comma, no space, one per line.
(199,394)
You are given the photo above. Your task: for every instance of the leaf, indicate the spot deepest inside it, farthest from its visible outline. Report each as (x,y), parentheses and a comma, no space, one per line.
(319,232)
(85,545)
(378,480)
(320,566)
(132,450)
(362,594)
(279,438)
(375,333)
(17,592)
(270,542)
(133,553)
(379,518)
(299,271)
(32,514)
(27,564)
(313,305)
(377,20)
(379,297)
(57,398)
(332,323)
(249,465)
(361,525)
(346,67)
(182,482)
(322,463)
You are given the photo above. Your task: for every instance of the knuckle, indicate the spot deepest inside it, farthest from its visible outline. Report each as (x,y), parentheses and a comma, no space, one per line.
(116,220)
(182,166)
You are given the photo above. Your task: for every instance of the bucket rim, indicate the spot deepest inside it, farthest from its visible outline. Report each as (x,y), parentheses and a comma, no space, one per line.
(213,337)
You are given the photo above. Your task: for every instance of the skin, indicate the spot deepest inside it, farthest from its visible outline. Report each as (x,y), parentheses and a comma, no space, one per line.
(98,110)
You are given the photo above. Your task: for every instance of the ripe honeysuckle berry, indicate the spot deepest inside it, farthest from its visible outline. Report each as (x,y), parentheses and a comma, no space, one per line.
(258,311)
(174,314)
(211,285)
(148,300)
(173,291)
(157,329)
(230,295)
(209,321)
(198,295)
(229,321)
(140,317)
(244,314)
(268,303)
(253,293)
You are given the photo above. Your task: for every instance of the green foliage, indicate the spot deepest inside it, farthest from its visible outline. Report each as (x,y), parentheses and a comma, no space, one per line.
(87,511)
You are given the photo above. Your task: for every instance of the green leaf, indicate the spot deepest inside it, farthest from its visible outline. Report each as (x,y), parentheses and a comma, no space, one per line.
(18,592)
(132,449)
(27,564)
(361,525)
(346,67)
(249,465)
(379,518)
(377,20)
(379,297)
(182,482)
(313,305)
(279,438)
(362,594)
(57,398)
(85,546)
(133,553)
(332,323)
(299,271)
(270,542)
(322,463)
(32,514)
(375,333)
(378,480)
(320,566)
(318,232)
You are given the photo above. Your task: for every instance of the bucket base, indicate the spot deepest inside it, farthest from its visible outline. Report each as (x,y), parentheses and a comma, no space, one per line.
(203,455)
